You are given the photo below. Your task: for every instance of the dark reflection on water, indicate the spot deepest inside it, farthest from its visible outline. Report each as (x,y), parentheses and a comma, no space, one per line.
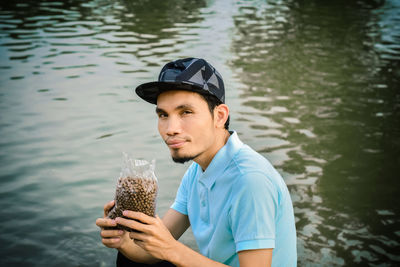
(326,77)
(312,86)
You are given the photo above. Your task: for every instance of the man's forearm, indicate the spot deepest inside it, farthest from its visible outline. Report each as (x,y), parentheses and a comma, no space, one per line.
(184,256)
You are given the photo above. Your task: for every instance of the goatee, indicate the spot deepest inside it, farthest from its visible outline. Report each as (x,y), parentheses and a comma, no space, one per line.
(182,159)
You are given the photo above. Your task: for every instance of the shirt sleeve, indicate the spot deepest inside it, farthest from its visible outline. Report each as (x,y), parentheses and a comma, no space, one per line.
(181,199)
(253,212)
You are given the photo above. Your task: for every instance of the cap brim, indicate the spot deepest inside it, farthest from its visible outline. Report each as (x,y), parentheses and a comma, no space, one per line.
(150,91)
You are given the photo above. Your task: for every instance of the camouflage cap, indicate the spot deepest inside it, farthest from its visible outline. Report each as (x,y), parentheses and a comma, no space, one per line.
(190,74)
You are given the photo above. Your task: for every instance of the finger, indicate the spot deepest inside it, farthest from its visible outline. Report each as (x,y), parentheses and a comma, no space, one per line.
(137,236)
(111,242)
(103,222)
(108,206)
(138,226)
(111,233)
(140,216)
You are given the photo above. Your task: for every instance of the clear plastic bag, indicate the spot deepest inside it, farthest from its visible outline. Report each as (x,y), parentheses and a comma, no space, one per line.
(136,190)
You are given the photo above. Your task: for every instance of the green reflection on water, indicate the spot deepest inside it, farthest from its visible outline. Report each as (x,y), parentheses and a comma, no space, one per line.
(340,119)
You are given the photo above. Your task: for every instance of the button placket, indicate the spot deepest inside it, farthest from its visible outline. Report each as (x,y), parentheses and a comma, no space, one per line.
(204,204)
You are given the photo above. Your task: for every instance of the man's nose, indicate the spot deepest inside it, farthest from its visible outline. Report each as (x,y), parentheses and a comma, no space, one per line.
(173,126)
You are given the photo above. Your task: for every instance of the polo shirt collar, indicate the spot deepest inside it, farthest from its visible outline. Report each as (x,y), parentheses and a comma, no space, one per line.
(220,161)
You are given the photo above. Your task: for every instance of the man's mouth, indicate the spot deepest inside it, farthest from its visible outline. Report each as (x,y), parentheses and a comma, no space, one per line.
(175,143)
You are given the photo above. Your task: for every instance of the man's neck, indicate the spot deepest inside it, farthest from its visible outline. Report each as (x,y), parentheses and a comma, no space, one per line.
(205,159)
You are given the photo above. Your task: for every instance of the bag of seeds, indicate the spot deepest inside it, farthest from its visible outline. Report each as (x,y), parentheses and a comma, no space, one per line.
(136,189)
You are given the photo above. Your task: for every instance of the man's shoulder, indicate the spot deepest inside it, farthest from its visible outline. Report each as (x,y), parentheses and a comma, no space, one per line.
(248,160)
(252,167)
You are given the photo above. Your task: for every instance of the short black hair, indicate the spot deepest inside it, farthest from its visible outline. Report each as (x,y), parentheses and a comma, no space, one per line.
(213,102)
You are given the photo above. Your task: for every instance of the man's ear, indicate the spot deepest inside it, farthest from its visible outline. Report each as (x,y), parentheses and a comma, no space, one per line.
(221,113)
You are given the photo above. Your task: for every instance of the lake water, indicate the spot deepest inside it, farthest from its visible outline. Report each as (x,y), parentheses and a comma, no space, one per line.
(312,85)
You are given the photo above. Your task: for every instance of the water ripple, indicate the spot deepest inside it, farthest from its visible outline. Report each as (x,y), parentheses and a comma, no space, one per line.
(313,88)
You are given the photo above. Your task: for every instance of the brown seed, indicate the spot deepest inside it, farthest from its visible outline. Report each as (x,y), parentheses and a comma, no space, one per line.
(134,193)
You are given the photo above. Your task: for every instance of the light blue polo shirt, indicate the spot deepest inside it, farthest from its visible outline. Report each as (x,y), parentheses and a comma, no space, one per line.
(240,202)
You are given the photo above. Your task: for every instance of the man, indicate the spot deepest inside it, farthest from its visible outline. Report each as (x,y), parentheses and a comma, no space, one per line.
(237,204)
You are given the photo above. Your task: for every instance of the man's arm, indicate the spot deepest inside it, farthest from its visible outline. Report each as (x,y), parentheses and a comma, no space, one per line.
(187,257)
(154,237)
(255,258)
(176,222)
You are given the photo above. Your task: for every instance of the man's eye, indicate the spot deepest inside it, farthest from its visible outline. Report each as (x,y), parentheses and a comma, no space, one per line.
(161,115)
(187,112)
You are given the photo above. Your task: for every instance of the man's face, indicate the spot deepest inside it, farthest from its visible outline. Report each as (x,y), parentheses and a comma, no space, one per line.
(186,124)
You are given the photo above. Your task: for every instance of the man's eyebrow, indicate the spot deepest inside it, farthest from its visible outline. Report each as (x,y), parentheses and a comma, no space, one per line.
(159,110)
(183,106)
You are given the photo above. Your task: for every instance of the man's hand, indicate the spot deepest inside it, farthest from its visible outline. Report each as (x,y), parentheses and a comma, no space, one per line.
(111,238)
(175,222)
(152,236)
